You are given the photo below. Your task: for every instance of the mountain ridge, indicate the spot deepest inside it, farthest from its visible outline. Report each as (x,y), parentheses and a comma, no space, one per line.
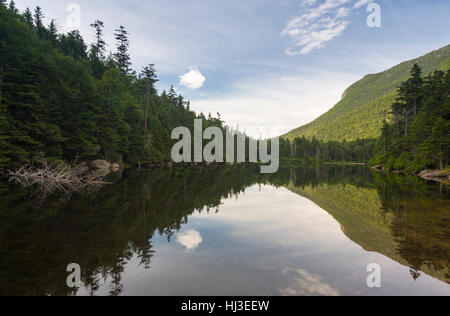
(366,103)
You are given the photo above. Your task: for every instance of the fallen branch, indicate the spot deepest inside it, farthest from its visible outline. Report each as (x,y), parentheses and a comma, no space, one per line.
(52,177)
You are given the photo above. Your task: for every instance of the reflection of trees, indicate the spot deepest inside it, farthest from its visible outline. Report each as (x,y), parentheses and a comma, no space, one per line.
(102,232)
(415,215)
(421,222)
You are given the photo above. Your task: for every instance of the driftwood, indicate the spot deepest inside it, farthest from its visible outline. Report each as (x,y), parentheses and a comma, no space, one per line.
(52,177)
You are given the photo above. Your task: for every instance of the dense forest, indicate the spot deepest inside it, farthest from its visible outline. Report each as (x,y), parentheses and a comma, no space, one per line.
(312,150)
(418,135)
(66,100)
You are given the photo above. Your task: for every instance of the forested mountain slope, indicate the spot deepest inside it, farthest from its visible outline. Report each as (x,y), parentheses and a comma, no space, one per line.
(366,104)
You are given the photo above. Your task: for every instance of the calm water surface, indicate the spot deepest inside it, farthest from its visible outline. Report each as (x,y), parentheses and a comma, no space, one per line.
(230,231)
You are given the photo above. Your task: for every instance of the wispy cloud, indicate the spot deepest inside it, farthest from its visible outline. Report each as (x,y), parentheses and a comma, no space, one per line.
(319,23)
(307,284)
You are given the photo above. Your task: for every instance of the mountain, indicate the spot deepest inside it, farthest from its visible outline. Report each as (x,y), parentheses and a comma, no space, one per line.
(366,103)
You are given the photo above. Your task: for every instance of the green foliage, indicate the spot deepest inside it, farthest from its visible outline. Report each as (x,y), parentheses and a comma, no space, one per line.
(367,103)
(68,102)
(305,150)
(418,136)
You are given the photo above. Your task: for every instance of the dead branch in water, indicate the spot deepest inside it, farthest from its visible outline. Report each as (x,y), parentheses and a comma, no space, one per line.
(52,177)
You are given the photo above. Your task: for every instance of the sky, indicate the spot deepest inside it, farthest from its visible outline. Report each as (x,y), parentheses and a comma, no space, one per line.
(266,66)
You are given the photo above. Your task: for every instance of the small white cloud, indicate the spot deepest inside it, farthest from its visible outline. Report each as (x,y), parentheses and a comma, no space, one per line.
(193,79)
(190,239)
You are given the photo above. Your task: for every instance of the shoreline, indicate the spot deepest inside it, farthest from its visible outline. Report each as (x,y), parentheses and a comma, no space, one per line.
(442,176)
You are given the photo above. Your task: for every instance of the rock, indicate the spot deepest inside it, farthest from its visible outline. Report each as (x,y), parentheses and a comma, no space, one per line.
(100,164)
(435,175)
(115,166)
(101,172)
(424,172)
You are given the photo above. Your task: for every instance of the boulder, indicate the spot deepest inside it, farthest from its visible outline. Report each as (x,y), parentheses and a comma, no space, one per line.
(430,174)
(115,166)
(100,164)
(101,173)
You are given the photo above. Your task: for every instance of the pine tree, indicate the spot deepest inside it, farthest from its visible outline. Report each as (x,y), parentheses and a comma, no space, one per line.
(38,21)
(12,7)
(121,57)
(97,54)
(52,32)
(98,48)
(73,45)
(172,94)
(148,80)
(28,17)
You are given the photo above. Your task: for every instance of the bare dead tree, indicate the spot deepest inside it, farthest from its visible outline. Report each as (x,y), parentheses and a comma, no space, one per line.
(52,177)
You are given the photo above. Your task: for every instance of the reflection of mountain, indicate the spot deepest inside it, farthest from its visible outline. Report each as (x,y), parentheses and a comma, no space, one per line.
(407,222)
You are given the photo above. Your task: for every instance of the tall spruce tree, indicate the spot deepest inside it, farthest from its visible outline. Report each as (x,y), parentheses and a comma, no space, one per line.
(98,49)
(39,22)
(12,7)
(121,57)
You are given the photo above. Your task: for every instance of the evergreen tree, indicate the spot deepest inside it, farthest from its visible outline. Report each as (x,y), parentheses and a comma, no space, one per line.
(12,7)
(97,54)
(38,21)
(419,134)
(121,57)
(28,17)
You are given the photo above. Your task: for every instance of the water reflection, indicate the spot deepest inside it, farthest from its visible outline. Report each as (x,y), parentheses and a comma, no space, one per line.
(185,225)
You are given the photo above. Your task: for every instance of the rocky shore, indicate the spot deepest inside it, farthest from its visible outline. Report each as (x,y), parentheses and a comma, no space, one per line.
(433,175)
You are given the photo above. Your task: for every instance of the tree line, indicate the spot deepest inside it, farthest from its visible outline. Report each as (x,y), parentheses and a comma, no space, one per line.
(67,100)
(314,150)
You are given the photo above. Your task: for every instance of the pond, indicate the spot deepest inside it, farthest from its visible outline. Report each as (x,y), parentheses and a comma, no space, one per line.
(230,231)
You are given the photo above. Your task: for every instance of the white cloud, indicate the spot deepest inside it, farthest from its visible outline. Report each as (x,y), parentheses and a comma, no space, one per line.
(307,284)
(318,24)
(190,239)
(193,79)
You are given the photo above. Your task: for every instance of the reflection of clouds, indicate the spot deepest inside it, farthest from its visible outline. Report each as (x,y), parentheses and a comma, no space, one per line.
(306,284)
(190,239)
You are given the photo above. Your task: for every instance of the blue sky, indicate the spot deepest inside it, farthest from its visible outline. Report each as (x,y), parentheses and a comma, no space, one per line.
(265,65)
